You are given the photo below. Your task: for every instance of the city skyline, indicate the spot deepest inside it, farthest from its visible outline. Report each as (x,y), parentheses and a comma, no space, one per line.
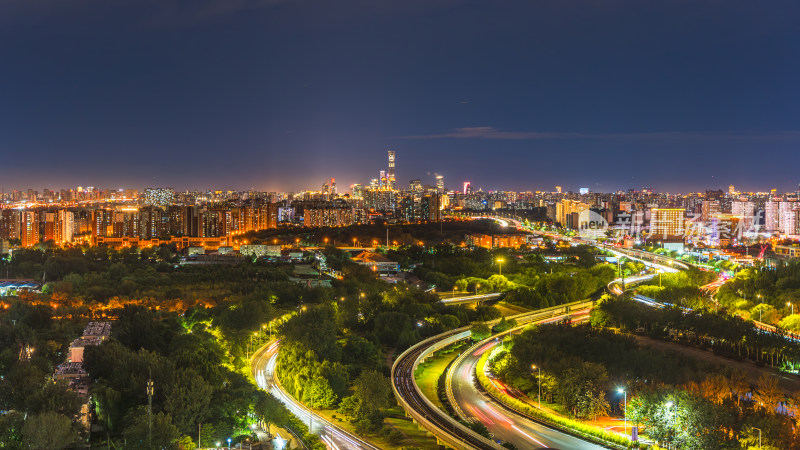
(278,95)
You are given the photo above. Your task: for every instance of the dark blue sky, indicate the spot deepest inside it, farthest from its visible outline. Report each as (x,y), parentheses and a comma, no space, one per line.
(282,94)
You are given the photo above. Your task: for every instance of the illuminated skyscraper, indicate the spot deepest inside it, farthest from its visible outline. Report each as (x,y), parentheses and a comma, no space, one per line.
(466,188)
(390,174)
(440,184)
(667,222)
(731,190)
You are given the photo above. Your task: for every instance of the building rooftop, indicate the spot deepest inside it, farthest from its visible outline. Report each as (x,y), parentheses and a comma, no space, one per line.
(100,329)
(86,341)
(70,370)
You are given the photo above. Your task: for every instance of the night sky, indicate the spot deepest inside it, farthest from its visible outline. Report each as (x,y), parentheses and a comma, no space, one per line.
(282,94)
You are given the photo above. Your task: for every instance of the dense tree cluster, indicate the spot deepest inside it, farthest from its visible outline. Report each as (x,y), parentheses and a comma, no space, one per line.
(39,411)
(678,401)
(765,294)
(727,335)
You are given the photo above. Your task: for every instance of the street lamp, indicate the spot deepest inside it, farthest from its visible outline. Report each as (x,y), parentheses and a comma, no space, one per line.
(759,436)
(625,394)
(476,288)
(539,378)
(229,443)
(455,288)
(792,305)
(500,262)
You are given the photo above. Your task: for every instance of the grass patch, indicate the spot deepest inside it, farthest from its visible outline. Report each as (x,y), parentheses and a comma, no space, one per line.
(429,371)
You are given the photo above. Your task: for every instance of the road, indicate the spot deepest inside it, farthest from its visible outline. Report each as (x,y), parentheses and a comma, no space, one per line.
(504,424)
(404,384)
(334,438)
(470,298)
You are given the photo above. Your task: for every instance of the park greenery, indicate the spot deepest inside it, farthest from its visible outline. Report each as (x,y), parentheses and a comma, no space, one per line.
(766,294)
(680,288)
(679,401)
(724,334)
(191,329)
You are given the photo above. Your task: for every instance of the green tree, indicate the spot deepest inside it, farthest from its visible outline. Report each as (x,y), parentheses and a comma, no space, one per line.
(480,331)
(373,390)
(319,393)
(49,430)
(164,435)
(187,399)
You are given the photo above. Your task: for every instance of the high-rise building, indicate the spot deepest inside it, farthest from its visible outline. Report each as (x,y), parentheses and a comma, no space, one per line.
(9,223)
(440,184)
(558,189)
(744,211)
(415,186)
(357,191)
(731,190)
(772,216)
(65,230)
(29,228)
(467,188)
(430,208)
(390,174)
(566,207)
(787,216)
(667,222)
(709,209)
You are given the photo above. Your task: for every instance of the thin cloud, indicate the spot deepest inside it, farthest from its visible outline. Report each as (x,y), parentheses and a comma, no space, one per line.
(494,133)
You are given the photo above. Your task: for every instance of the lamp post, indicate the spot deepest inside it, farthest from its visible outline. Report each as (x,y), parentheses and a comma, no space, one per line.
(759,436)
(229,443)
(476,288)
(625,411)
(669,405)
(500,262)
(539,379)
(455,288)
(792,305)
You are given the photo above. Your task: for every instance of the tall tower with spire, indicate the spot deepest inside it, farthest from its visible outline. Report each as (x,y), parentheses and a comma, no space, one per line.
(390,174)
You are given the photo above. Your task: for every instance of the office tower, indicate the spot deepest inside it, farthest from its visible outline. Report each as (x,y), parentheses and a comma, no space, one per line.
(430,208)
(667,222)
(415,185)
(731,190)
(390,174)
(384,182)
(440,184)
(357,191)
(466,187)
(558,189)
